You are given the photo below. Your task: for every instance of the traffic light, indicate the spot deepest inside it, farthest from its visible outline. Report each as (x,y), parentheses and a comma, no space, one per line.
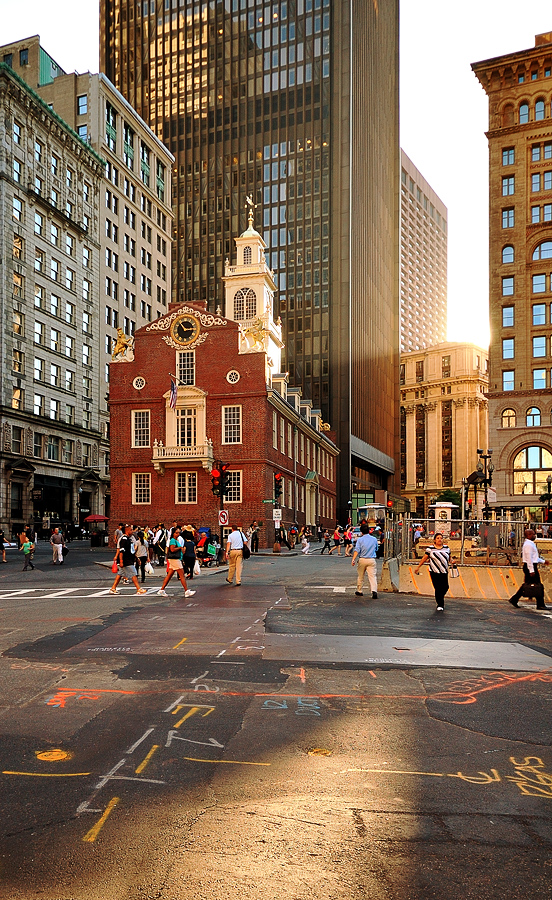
(224,479)
(389,504)
(277,485)
(216,482)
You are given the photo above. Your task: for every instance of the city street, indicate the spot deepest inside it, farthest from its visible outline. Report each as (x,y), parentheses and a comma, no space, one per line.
(283,738)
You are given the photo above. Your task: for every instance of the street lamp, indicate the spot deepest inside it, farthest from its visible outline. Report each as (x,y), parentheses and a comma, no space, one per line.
(486,469)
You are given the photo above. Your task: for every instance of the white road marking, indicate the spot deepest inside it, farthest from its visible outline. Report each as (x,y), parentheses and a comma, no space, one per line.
(139,741)
(60,593)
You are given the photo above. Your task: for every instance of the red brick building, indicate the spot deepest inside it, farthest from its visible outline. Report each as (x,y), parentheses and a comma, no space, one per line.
(230,404)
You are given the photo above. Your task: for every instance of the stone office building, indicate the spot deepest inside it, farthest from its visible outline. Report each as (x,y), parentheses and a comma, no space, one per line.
(443,419)
(133,274)
(519,88)
(50,433)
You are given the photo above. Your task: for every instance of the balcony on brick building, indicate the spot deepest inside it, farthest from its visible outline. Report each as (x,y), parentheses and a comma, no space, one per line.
(198,453)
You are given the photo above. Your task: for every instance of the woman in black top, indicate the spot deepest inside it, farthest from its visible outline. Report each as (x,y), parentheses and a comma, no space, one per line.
(188,553)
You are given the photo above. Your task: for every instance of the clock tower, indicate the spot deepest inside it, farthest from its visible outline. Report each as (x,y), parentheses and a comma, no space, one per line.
(249,298)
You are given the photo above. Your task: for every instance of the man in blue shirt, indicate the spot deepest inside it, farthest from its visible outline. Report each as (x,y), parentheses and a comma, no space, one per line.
(366,549)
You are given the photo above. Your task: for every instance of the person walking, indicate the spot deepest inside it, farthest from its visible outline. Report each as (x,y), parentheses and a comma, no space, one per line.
(27,548)
(532,584)
(57,547)
(189,552)
(337,541)
(327,545)
(126,560)
(141,553)
(305,543)
(2,545)
(348,540)
(365,551)
(439,559)
(174,563)
(234,554)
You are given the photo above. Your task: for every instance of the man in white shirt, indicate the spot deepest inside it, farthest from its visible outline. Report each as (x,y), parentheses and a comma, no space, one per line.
(234,554)
(531,560)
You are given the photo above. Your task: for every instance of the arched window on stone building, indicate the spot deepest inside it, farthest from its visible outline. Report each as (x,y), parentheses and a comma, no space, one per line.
(509,418)
(539,110)
(531,466)
(508,254)
(533,416)
(543,251)
(523,113)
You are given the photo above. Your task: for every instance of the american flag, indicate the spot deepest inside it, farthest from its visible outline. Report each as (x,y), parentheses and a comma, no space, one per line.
(174,394)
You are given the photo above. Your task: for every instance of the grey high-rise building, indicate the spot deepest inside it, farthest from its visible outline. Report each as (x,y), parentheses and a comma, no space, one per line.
(294,102)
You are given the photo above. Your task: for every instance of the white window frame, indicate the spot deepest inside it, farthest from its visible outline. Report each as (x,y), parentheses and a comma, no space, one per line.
(144,486)
(185,483)
(275,430)
(145,429)
(289,441)
(183,370)
(229,426)
(235,482)
(282,435)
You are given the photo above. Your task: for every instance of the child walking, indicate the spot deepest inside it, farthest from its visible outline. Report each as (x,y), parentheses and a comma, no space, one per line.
(27,548)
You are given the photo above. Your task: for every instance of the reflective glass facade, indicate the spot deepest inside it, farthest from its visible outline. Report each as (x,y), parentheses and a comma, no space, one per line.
(263,99)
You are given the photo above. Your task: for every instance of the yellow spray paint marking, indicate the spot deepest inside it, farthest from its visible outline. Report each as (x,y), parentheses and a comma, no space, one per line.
(91,835)
(191,712)
(476,576)
(47,774)
(146,759)
(319,751)
(176,646)
(53,755)
(490,574)
(462,582)
(229,762)
(504,581)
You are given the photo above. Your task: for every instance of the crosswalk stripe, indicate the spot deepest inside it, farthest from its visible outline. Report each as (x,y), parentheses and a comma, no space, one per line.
(61,593)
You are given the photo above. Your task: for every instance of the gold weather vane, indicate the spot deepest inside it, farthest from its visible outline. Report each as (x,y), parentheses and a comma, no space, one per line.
(249,203)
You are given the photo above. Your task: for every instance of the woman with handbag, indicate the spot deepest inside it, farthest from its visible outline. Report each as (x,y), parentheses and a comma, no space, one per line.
(174,564)
(141,554)
(439,559)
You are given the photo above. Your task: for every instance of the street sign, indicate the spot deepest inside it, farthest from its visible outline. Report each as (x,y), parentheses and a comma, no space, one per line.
(277,515)
(223,517)
(269,501)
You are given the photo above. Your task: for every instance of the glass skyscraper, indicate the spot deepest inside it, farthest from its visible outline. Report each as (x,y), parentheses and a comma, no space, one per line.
(295,103)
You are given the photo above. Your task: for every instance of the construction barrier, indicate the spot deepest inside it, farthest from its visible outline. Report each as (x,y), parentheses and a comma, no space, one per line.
(474,582)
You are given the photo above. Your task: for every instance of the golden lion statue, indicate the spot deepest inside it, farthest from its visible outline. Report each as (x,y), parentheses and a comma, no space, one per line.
(122,344)
(256,332)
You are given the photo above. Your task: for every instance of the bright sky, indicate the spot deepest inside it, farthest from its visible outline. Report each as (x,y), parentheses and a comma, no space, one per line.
(443,109)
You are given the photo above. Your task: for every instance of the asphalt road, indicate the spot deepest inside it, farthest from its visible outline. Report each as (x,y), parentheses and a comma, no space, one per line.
(283,739)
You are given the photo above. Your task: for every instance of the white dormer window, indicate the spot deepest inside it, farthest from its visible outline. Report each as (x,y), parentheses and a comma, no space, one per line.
(245,304)
(247,256)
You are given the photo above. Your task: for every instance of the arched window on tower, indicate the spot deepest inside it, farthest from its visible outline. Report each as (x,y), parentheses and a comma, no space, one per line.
(508,254)
(543,251)
(523,114)
(245,304)
(247,256)
(509,418)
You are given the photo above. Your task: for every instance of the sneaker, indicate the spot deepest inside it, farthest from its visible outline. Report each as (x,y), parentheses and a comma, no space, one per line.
(440,608)
(359,594)
(111,591)
(162,593)
(141,591)
(189,593)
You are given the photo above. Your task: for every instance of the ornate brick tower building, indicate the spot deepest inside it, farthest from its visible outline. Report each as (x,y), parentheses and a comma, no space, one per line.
(519,87)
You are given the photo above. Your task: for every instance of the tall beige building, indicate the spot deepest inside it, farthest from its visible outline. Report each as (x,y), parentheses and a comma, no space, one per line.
(423,261)
(519,87)
(443,419)
(131,278)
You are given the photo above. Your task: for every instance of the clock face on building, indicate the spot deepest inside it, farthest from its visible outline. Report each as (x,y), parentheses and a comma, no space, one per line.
(185,329)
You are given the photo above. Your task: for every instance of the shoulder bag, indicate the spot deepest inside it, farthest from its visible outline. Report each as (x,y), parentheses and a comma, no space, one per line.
(246,552)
